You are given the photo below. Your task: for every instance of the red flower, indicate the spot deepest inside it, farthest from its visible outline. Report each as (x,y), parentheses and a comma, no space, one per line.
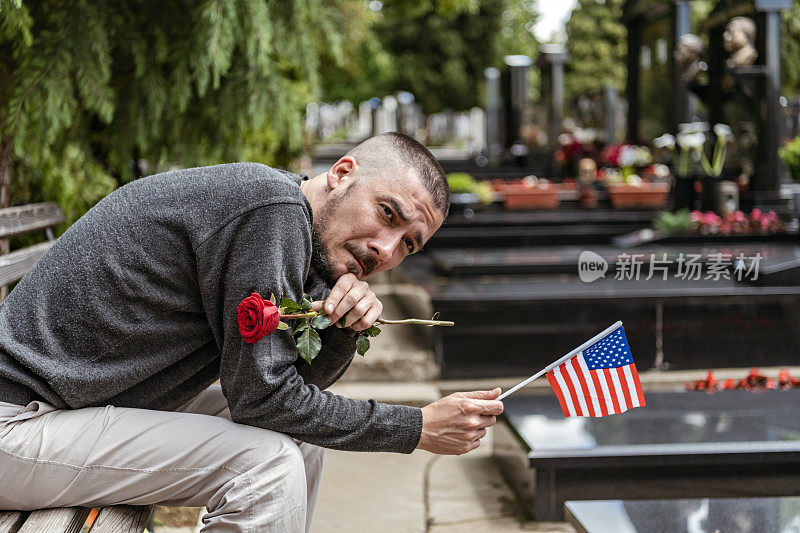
(257,318)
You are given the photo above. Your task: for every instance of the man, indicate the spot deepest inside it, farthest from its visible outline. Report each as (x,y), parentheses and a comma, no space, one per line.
(109,345)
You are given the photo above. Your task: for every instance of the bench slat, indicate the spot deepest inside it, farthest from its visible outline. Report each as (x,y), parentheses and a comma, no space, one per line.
(16,264)
(27,218)
(11,521)
(122,519)
(65,520)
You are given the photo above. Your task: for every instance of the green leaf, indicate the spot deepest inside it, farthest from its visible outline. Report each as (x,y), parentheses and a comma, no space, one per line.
(283,325)
(309,344)
(306,303)
(288,303)
(372,331)
(299,325)
(320,322)
(343,320)
(362,344)
(272,297)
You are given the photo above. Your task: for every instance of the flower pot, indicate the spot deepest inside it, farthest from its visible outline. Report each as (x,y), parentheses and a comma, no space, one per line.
(646,196)
(531,198)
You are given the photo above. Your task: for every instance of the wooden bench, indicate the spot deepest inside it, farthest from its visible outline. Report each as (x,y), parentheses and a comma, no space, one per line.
(117,519)
(22,220)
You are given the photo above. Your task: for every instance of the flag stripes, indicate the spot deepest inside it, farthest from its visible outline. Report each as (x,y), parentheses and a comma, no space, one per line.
(598,392)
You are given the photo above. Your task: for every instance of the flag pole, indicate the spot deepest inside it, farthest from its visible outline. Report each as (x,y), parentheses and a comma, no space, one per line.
(551,366)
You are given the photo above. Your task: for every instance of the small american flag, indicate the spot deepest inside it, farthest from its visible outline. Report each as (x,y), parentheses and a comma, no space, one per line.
(599,380)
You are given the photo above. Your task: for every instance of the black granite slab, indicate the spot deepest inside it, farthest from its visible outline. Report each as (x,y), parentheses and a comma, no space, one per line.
(742,515)
(681,445)
(464,262)
(515,325)
(480,236)
(494,217)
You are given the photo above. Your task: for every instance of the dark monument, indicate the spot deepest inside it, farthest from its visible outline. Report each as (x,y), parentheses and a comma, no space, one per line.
(658,98)
(744,65)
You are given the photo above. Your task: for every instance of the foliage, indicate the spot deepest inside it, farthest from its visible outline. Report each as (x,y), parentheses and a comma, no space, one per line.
(435,49)
(597,47)
(790,50)
(517,37)
(305,328)
(104,85)
(790,155)
(463,182)
(440,55)
(680,221)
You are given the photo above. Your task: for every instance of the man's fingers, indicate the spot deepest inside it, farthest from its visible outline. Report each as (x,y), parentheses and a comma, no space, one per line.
(316,306)
(488,421)
(370,317)
(348,303)
(481,394)
(358,311)
(487,407)
(339,290)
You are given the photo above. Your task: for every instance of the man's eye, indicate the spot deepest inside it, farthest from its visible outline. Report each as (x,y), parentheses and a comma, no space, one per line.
(410,245)
(388,211)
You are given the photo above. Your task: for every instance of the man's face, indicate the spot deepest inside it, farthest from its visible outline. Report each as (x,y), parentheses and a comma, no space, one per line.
(361,228)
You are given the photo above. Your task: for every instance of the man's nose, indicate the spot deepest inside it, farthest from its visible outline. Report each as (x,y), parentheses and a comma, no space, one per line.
(385,244)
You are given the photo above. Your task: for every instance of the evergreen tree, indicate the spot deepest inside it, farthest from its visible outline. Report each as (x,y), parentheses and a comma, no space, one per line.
(440,54)
(88,89)
(597,47)
(790,53)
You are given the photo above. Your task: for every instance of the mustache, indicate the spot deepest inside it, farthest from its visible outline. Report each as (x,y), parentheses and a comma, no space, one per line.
(365,258)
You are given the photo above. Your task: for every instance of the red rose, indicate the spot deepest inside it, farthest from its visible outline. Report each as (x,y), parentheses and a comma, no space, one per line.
(257,318)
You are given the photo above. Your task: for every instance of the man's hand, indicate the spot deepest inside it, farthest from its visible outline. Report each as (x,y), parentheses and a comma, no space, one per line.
(455,424)
(352,298)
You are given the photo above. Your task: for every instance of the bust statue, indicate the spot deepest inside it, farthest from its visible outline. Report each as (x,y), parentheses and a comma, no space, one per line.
(739,39)
(689,56)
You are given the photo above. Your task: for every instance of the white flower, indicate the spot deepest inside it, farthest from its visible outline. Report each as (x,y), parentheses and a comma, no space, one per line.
(693,127)
(692,140)
(585,135)
(613,175)
(665,141)
(661,171)
(635,180)
(723,131)
(564,139)
(627,156)
(643,156)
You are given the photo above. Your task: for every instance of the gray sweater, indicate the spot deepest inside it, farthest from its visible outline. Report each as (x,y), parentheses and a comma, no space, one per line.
(135,306)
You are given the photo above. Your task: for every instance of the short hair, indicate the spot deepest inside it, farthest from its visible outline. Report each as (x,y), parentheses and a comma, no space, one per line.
(402,151)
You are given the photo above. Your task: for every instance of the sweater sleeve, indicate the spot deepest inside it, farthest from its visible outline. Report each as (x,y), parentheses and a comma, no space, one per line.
(267,250)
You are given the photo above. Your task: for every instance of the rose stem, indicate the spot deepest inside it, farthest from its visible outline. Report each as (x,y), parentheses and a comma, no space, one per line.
(382,320)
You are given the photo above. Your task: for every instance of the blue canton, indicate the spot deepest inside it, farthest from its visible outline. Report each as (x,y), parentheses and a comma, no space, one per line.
(611,351)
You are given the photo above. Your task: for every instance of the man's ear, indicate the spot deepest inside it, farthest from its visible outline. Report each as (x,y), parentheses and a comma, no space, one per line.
(342,170)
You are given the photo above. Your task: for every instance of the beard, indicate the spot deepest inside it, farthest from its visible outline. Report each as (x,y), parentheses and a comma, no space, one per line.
(321,253)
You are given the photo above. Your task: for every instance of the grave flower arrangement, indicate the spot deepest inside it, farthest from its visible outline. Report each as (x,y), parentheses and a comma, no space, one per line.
(629,158)
(737,223)
(753,381)
(690,143)
(258,318)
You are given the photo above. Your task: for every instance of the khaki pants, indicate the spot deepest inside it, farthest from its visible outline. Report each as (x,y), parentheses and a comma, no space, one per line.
(249,479)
